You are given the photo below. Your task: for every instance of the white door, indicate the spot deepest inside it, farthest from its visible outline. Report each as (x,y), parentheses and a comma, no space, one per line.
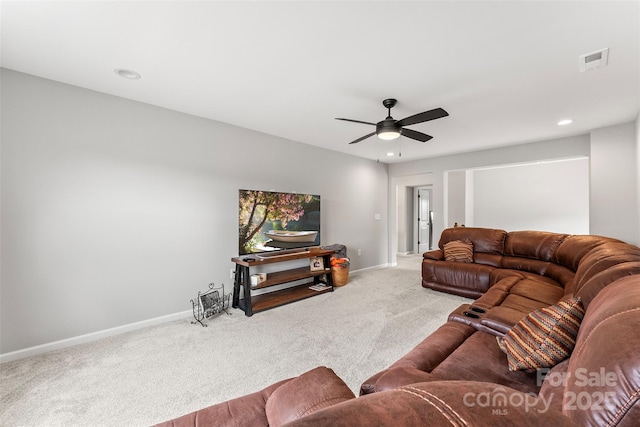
(424,220)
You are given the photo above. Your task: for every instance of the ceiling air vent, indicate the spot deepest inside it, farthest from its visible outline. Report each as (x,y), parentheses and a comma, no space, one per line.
(593,60)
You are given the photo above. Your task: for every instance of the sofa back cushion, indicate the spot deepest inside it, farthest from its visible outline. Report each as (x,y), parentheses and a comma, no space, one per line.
(524,264)
(485,240)
(573,248)
(539,245)
(602,266)
(602,385)
(560,274)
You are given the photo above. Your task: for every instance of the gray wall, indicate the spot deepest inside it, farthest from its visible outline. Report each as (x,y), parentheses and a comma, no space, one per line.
(605,180)
(547,196)
(455,206)
(114,211)
(613,206)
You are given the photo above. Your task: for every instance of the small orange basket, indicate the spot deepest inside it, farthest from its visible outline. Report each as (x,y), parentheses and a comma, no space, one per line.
(340,271)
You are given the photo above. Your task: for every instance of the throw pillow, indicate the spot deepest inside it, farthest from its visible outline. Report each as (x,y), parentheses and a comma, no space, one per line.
(306,394)
(545,337)
(457,250)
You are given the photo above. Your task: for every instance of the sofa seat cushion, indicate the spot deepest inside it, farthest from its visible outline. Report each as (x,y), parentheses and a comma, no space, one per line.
(545,337)
(502,273)
(542,292)
(498,292)
(510,300)
(523,304)
(502,319)
(479,359)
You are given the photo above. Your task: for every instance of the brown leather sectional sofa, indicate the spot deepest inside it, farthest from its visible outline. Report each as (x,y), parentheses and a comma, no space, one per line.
(459,375)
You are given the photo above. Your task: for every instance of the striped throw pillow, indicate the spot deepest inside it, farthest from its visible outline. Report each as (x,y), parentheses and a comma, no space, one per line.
(457,250)
(545,337)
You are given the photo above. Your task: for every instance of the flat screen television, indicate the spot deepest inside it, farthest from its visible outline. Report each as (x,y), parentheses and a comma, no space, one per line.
(271,221)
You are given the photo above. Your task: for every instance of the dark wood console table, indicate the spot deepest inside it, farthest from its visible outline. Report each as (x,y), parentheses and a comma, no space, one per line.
(256,303)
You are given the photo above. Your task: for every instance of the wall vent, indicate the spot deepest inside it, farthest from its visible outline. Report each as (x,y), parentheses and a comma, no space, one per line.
(593,60)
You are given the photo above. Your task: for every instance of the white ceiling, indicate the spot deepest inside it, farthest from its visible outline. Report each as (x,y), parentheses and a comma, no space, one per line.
(505,71)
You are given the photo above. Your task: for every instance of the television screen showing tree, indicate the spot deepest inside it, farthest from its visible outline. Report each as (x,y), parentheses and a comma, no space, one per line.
(272,221)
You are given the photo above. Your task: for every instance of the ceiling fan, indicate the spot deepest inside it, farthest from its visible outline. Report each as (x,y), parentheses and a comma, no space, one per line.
(390,128)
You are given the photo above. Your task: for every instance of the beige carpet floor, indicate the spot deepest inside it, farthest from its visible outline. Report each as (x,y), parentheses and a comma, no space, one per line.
(158,373)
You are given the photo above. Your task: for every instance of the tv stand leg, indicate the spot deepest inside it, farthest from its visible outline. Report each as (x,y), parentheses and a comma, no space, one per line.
(248,309)
(237,280)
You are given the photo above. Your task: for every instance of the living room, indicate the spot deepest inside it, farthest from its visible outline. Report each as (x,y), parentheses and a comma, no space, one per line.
(116,210)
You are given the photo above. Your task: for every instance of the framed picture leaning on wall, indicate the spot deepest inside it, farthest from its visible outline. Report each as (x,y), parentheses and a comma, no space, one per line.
(316,263)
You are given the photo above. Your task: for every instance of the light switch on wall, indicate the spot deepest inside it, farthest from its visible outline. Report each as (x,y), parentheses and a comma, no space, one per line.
(377,217)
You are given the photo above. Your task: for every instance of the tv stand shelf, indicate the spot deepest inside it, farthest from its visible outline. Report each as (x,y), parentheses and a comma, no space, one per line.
(251,304)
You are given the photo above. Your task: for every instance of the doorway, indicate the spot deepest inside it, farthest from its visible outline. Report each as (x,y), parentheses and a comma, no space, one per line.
(423,219)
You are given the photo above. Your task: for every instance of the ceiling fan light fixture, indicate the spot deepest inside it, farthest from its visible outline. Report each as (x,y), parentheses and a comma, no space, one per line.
(388,130)
(389,135)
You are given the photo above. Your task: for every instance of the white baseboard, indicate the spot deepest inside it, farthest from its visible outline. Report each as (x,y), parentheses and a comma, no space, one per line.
(93,336)
(375,267)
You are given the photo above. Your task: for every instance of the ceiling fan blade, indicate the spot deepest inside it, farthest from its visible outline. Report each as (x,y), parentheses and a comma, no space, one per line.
(436,113)
(364,137)
(418,136)
(356,121)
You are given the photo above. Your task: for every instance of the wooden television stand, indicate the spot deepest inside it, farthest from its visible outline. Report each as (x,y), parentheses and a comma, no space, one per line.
(255,303)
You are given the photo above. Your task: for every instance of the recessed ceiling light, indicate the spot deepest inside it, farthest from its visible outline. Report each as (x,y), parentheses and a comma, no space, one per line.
(390,154)
(565,122)
(127,74)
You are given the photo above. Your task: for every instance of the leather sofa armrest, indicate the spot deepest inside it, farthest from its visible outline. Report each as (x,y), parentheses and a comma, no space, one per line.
(440,403)
(394,377)
(398,377)
(428,354)
(275,405)
(242,411)
(312,391)
(435,255)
